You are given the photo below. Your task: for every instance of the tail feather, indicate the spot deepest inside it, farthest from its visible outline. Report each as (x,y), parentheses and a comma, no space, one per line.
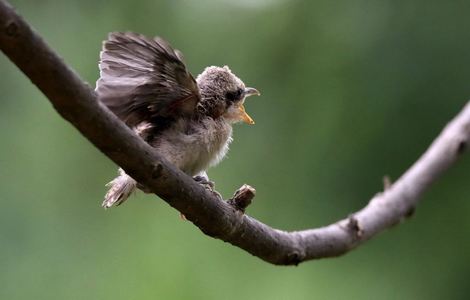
(120,189)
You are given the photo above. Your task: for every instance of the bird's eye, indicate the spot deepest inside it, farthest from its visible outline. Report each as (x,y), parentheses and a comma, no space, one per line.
(232,96)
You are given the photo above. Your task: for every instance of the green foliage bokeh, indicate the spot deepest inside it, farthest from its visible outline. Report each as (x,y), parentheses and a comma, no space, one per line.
(351,91)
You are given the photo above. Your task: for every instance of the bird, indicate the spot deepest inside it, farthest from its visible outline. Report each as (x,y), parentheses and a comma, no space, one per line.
(145,82)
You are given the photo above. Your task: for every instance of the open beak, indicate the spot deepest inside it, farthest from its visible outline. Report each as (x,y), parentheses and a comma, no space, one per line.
(244,116)
(249,91)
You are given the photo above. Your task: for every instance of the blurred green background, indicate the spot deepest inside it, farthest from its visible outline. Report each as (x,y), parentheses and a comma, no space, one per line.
(352,90)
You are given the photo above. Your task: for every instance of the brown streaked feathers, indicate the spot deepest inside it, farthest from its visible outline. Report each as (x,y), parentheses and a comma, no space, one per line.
(142,79)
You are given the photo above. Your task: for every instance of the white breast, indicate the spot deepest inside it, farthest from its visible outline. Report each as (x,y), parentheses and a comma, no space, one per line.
(194,146)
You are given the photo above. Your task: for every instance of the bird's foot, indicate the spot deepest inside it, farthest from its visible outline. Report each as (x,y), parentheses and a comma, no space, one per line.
(204,181)
(208,185)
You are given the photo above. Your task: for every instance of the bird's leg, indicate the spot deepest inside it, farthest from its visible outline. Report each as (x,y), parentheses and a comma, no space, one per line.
(203,180)
(210,185)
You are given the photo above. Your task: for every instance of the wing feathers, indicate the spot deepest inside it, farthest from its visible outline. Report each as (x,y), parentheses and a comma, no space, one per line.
(142,79)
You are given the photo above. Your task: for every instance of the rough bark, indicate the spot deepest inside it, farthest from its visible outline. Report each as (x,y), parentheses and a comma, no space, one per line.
(76,102)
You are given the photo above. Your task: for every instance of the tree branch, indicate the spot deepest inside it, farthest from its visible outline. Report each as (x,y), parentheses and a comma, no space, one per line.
(77,103)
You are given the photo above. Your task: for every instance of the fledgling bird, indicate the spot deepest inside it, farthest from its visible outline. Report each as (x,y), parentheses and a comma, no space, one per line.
(145,82)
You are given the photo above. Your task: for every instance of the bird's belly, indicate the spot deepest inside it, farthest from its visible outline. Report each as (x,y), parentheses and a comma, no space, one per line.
(194,152)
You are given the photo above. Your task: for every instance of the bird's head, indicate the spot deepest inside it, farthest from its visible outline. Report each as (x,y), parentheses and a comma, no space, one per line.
(223,94)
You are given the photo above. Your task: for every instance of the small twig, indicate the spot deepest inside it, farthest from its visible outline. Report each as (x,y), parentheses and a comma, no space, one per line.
(242,197)
(387,182)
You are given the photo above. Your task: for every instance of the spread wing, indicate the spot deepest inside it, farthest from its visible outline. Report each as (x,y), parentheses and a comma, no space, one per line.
(143,79)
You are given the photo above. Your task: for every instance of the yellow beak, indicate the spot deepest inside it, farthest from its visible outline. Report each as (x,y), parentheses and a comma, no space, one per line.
(244,116)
